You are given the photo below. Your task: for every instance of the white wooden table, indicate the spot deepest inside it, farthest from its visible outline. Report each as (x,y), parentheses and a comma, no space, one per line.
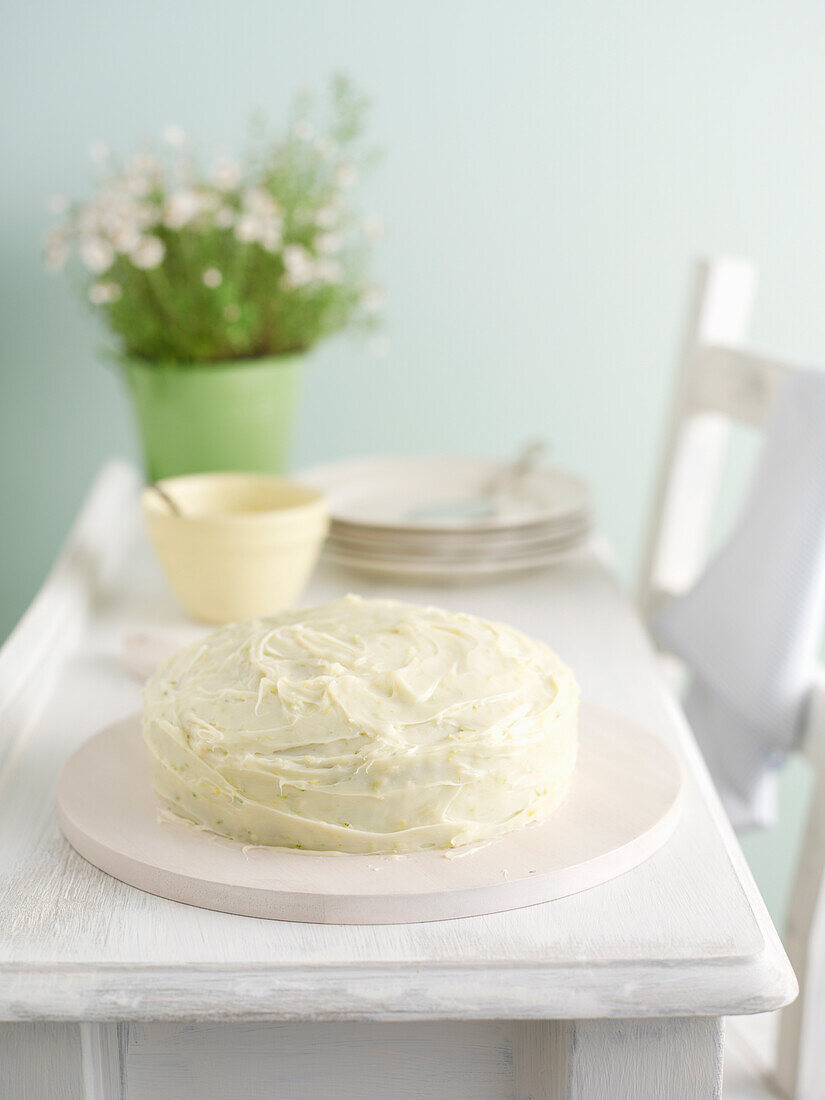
(616,992)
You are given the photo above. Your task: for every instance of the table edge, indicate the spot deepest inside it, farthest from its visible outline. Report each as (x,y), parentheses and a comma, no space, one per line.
(404,991)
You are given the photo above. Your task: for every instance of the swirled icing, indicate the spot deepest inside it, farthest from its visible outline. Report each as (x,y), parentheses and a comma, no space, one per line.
(362,726)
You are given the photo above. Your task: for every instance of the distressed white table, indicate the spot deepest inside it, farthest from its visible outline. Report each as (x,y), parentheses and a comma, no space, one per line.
(613,993)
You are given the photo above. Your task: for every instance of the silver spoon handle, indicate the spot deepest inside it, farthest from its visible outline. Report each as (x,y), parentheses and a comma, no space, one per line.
(165,497)
(517,470)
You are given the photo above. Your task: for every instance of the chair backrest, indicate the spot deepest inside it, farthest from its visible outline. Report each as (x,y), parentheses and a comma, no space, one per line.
(718,381)
(721,381)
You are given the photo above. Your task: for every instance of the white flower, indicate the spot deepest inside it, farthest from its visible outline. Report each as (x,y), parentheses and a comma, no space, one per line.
(226,175)
(298,264)
(271,238)
(212,277)
(232,312)
(296,257)
(261,220)
(373,227)
(326,217)
(174,136)
(248,228)
(224,217)
(372,298)
(327,271)
(56,251)
(143,163)
(181,207)
(257,200)
(97,254)
(146,214)
(125,237)
(115,216)
(55,259)
(86,220)
(139,186)
(149,253)
(99,152)
(329,243)
(346,174)
(141,173)
(57,204)
(103,293)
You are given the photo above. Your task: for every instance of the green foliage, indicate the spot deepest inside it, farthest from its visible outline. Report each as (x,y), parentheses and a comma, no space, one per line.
(257,258)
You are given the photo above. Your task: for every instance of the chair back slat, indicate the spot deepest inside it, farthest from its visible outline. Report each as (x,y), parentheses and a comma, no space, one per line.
(739,384)
(697,437)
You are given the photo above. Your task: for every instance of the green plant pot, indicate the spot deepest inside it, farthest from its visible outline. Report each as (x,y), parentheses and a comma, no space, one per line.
(214,416)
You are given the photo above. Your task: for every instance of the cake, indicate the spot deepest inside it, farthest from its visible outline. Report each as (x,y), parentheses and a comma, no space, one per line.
(362,726)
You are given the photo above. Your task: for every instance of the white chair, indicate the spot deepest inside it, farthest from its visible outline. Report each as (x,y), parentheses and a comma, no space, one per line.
(721,381)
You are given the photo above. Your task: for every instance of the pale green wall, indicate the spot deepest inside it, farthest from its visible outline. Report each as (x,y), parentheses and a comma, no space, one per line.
(551,170)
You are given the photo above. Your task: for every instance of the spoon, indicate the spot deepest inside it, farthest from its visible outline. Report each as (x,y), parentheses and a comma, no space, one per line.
(166,498)
(484,504)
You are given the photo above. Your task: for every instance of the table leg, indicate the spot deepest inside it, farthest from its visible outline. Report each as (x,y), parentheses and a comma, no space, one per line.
(658,1059)
(103,1050)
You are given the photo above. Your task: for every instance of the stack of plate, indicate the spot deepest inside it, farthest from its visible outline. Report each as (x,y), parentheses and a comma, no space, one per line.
(449,517)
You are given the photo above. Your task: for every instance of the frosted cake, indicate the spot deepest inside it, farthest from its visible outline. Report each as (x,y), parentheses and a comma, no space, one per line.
(362,726)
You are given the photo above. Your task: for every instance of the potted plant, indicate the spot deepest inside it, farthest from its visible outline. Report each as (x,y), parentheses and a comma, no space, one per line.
(216,282)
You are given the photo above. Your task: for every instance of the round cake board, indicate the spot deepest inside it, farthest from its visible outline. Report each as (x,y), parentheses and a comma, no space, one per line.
(623,804)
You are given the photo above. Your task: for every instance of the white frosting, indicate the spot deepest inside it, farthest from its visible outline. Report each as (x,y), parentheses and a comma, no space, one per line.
(362,726)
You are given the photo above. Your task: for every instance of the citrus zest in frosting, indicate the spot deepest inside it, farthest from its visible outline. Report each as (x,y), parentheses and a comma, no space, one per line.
(362,726)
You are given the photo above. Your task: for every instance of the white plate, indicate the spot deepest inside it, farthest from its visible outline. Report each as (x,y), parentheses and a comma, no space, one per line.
(623,805)
(417,544)
(436,553)
(386,492)
(455,541)
(438,569)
